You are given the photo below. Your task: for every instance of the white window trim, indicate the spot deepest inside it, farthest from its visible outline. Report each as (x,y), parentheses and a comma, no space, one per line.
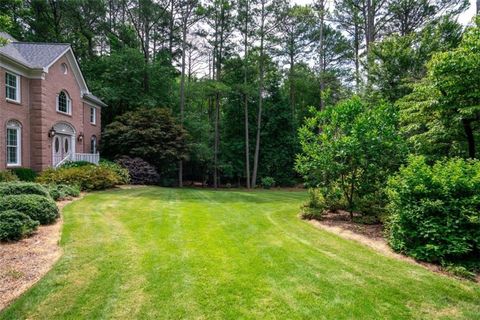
(18,129)
(17,89)
(69,104)
(93,144)
(94,115)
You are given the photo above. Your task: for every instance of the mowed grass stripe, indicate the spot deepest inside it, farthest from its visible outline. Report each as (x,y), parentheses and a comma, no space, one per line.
(154,253)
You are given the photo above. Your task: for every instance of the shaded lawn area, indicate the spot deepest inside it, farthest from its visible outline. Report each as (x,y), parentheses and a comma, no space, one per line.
(158,253)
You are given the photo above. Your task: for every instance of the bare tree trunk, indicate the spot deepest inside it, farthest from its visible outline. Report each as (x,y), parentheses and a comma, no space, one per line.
(321,55)
(182,94)
(357,57)
(467,126)
(260,97)
(245,101)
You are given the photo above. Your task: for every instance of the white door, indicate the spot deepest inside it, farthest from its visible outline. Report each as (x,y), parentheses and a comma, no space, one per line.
(61,147)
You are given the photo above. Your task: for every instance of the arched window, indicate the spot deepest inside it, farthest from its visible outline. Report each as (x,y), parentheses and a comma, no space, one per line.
(64,103)
(14,143)
(64,68)
(93,144)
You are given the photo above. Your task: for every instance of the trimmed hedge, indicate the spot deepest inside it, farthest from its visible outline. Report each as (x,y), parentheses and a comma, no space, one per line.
(24,174)
(87,177)
(39,208)
(11,188)
(435,210)
(15,225)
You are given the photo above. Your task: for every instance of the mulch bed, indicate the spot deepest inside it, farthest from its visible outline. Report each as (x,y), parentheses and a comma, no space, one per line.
(24,262)
(368,234)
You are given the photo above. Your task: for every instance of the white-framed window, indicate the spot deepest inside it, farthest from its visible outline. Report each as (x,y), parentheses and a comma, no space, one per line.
(93,115)
(12,87)
(14,143)
(64,104)
(93,144)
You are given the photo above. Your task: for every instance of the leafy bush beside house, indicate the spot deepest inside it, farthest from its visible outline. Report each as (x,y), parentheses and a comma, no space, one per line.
(24,174)
(15,225)
(39,208)
(434,210)
(63,191)
(87,178)
(7,176)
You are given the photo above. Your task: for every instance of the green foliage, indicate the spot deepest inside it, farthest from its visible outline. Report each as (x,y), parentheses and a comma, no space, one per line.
(268,182)
(25,174)
(400,60)
(434,212)
(87,178)
(76,164)
(11,188)
(7,176)
(122,173)
(148,133)
(460,271)
(63,191)
(39,208)
(15,225)
(440,116)
(351,147)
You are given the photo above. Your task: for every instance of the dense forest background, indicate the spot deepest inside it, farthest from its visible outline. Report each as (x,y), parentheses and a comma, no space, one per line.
(241,75)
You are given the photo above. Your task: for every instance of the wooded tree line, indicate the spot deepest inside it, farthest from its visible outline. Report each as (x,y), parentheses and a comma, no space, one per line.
(241,75)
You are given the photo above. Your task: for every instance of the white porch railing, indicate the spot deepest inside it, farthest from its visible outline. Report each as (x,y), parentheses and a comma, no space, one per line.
(88,157)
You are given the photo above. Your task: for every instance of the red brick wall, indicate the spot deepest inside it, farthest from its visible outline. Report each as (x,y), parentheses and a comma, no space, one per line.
(15,111)
(90,129)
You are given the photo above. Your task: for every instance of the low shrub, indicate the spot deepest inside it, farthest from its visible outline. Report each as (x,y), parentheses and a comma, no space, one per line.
(268,182)
(140,171)
(434,210)
(39,208)
(86,178)
(460,271)
(63,191)
(76,164)
(24,174)
(11,188)
(7,176)
(321,200)
(124,176)
(15,225)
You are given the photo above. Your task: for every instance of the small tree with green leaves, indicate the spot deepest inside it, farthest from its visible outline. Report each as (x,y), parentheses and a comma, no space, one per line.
(151,134)
(352,147)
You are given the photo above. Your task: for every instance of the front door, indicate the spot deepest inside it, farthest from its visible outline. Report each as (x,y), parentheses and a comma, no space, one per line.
(61,147)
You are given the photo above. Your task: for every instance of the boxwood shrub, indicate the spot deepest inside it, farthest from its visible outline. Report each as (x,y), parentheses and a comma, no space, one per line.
(434,210)
(15,225)
(10,188)
(24,174)
(40,208)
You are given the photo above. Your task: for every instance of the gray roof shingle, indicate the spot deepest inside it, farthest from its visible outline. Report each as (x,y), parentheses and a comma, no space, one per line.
(34,55)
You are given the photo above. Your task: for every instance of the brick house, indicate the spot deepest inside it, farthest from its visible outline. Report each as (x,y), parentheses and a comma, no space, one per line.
(47,113)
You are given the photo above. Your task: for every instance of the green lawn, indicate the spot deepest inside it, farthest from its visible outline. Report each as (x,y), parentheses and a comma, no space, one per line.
(158,253)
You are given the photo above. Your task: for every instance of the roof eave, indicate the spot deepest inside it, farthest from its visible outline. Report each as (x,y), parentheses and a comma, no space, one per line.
(96,102)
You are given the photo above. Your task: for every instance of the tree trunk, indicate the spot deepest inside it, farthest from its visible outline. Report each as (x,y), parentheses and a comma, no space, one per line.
(321,55)
(260,97)
(182,95)
(357,57)
(245,100)
(467,126)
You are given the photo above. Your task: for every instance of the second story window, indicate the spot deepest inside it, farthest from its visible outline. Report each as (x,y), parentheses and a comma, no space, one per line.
(12,87)
(93,115)
(64,103)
